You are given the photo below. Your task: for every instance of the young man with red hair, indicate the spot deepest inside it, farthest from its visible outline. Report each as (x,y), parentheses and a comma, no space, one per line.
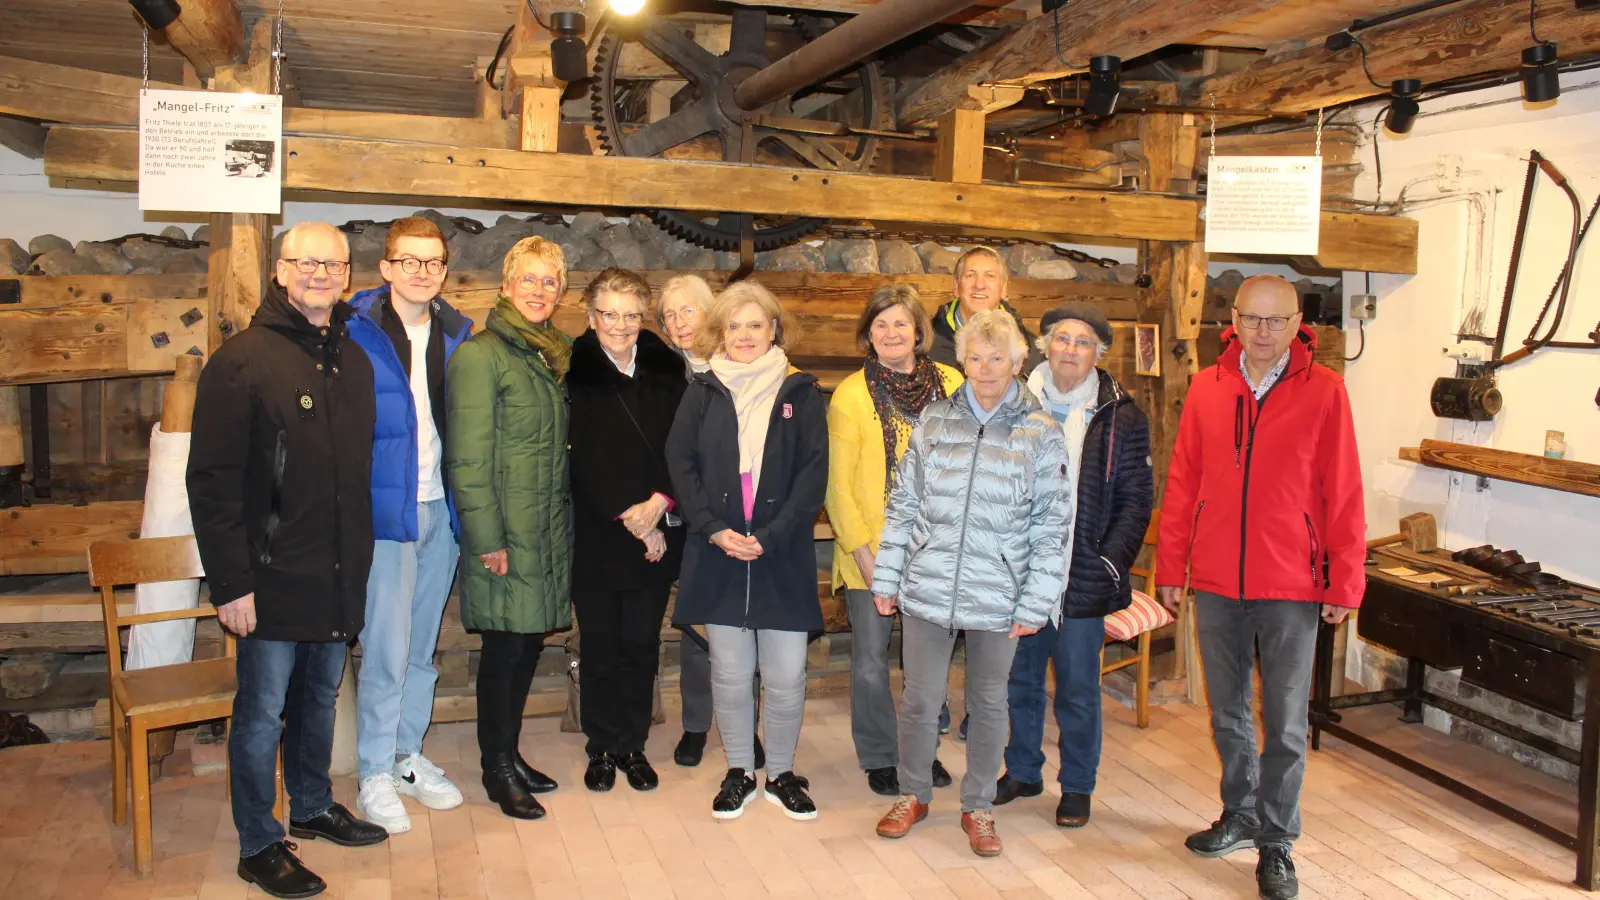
(409,332)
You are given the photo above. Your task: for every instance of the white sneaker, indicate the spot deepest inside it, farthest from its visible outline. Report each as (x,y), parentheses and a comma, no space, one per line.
(379,804)
(416,777)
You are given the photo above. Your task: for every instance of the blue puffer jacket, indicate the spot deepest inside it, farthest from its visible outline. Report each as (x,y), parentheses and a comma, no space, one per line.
(977,521)
(394,438)
(1113,499)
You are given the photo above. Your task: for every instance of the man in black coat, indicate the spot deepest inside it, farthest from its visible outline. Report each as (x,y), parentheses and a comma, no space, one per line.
(279,477)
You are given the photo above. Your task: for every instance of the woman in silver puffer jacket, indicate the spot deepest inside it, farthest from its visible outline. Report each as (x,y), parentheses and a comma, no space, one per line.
(974,541)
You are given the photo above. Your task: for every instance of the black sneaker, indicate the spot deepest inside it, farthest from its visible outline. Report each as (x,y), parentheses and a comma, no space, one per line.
(691,747)
(1008,789)
(789,791)
(885,781)
(737,790)
(1275,878)
(941,775)
(1231,832)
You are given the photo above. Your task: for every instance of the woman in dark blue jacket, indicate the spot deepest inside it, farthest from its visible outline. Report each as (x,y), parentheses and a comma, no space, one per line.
(1108,454)
(748,455)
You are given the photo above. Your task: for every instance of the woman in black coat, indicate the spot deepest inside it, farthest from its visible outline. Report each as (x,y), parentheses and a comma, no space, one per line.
(749,461)
(625,384)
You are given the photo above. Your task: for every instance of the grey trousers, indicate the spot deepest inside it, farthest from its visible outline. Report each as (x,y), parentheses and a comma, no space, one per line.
(1264,788)
(736,654)
(926,649)
(872,718)
(694,685)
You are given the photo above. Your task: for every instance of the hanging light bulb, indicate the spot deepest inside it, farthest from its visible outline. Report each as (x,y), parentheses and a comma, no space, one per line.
(1403,106)
(626,7)
(1541,81)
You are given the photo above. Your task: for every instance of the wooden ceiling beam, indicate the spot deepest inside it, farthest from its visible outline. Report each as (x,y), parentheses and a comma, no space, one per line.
(209,34)
(609,181)
(53,93)
(1353,241)
(1125,28)
(980,13)
(1456,41)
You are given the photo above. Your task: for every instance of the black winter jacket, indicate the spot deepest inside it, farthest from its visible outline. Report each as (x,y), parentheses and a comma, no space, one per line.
(279,476)
(1114,495)
(618,458)
(778,590)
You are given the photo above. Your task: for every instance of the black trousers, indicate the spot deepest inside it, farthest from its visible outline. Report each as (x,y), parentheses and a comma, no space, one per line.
(505,672)
(619,654)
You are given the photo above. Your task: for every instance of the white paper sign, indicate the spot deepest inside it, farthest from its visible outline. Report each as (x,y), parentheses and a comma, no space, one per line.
(210,152)
(1263,204)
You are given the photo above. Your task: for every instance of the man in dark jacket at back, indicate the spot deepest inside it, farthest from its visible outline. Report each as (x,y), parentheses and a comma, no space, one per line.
(981,282)
(1108,466)
(279,479)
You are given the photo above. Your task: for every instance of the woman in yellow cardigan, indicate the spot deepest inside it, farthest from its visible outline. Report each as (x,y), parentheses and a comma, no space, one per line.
(869,426)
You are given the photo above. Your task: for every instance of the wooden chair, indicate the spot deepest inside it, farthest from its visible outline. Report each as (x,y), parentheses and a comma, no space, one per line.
(158,697)
(1143,629)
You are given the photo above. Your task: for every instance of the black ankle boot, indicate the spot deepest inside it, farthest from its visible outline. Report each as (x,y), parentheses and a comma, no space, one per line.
(505,788)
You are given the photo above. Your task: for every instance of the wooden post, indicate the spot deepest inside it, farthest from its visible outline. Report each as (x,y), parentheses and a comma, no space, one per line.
(959,157)
(237,262)
(541,118)
(1177,270)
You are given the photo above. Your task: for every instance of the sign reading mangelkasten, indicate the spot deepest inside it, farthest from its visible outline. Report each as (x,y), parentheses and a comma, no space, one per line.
(1263,204)
(210,152)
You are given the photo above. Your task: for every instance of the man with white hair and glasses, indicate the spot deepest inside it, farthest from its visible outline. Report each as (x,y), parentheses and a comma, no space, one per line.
(279,481)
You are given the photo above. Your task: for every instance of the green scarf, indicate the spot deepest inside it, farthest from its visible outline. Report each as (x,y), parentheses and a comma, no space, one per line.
(552,344)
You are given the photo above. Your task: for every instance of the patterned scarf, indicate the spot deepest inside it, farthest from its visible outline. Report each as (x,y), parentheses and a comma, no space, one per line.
(552,344)
(899,400)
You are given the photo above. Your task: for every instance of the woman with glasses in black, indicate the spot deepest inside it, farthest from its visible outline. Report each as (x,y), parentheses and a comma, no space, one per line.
(625,385)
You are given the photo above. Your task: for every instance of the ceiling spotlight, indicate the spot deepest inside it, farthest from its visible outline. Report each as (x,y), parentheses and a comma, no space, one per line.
(1049,6)
(1540,79)
(569,59)
(1105,77)
(1339,40)
(626,7)
(158,14)
(1403,106)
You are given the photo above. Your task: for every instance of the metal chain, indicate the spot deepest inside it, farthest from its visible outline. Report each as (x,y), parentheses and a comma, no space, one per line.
(277,53)
(917,237)
(1319,131)
(1213,123)
(146,55)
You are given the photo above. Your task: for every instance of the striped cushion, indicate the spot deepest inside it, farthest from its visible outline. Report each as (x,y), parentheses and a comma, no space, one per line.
(1145,614)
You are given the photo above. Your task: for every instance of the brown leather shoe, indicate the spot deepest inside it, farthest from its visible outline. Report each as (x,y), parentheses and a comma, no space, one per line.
(906,812)
(1073,810)
(981,836)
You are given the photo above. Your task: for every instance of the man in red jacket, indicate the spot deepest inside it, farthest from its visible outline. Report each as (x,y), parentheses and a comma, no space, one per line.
(1263,512)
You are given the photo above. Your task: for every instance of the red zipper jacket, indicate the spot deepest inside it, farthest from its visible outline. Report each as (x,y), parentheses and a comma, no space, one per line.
(1263,499)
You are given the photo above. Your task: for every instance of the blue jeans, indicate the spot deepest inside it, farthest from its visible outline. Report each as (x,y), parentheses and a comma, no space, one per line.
(406,593)
(1075,651)
(286,691)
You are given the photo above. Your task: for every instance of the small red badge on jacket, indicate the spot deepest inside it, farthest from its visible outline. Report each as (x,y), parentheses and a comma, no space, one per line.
(788,410)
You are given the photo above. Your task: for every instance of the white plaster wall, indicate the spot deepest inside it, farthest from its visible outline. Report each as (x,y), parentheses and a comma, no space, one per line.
(1491,132)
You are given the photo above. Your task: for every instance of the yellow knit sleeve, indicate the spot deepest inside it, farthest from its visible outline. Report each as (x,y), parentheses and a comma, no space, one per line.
(846,412)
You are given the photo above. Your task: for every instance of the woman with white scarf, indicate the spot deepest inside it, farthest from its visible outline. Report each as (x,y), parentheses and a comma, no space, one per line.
(748,454)
(1108,462)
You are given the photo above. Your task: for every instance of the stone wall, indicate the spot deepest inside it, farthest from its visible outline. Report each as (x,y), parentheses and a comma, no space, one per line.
(590,240)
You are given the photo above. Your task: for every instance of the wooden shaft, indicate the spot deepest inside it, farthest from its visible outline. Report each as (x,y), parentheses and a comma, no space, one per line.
(208,33)
(10,427)
(177,401)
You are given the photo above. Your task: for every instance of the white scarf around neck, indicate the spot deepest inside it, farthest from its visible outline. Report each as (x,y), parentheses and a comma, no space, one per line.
(754,386)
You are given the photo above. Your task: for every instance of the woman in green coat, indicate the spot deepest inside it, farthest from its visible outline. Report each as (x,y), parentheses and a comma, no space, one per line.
(506,459)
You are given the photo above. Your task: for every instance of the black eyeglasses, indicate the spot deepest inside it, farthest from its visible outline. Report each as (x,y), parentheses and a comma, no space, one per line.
(309,266)
(411,265)
(1274,323)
